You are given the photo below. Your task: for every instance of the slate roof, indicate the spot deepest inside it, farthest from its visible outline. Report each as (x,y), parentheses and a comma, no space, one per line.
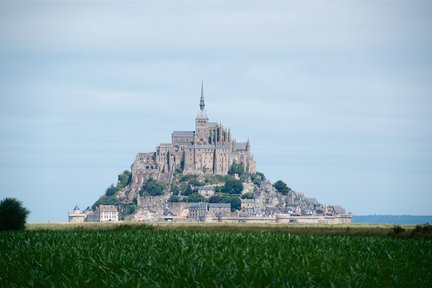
(183,133)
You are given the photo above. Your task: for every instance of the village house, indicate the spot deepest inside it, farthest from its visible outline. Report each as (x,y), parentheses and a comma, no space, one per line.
(219,209)
(197,211)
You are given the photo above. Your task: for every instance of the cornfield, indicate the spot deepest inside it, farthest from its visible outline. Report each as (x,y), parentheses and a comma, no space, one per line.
(140,258)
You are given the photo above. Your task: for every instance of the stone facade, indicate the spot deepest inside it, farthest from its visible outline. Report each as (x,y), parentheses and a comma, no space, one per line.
(197,211)
(107,213)
(219,209)
(77,216)
(208,149)
(103,213)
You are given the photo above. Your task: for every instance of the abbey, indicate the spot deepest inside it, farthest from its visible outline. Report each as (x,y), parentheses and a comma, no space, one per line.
(208,149)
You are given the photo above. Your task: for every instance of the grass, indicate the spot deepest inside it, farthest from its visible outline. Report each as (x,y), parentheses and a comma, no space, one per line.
(152,256)
(215,255)
(404,231)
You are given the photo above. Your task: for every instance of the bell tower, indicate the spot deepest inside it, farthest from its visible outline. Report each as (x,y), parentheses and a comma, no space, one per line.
(201,122)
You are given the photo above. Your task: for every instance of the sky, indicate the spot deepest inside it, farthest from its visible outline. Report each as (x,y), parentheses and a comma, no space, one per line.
(335,96)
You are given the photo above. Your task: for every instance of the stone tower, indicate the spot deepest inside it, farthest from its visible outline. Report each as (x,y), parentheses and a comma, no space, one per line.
(201,122)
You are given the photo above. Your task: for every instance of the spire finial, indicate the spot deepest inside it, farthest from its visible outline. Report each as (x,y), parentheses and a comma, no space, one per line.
(202,104)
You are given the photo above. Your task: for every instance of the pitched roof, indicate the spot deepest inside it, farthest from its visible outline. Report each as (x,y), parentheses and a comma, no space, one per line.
(240,146)
(183,133)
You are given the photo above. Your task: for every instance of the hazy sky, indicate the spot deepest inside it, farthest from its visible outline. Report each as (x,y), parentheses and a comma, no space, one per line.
(335,96)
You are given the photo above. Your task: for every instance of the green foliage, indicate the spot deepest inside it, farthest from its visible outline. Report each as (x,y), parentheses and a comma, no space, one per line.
(196,198)
(13,215)
(124,179)
(111,190)
(188,191)
(423,229)
(188,177)
(195,182)
(234,200)
(215,199)
(261,175)
(182,165)
(249,195)
(214,179)
(257,178)
(282,187)
(233,186)
(174,199)
(175,189)
(397,229)
(152,187)
(105,200)
(128,257)
(178,171)
(236,169)
(128,210)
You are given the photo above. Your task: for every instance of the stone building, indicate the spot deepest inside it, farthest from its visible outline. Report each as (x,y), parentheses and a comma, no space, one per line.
(197,211)
(76,216)
(209,149)
(107,213)
(103,213)
(219,209)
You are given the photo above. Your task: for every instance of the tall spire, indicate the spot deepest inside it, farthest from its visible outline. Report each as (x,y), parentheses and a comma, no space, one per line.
(202,104)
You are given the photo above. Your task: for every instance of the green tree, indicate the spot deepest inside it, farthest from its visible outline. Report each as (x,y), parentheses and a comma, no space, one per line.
(128,210)
(111,190)
(195,182)
(234,200)
(282,187)
(196,198)
(174,199)
(215,199)
(261,175)
(152,187)
(233,186)
(236,169)
(249,195)
(188,191)
(257,178)
(175,189)
(124,179)
(13,215)
(105,200)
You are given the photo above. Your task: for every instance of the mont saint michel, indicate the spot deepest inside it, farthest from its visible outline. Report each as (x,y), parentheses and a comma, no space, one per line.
(204,175)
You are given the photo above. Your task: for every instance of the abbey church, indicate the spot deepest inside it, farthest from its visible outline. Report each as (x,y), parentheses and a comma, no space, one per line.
(208,149)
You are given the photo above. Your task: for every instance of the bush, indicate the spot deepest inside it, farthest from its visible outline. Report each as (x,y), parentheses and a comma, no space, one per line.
(282,187)
(188,177)
(425,228)
(215,199)
(105,200)
(234,200)
(233,186)
(249,195)
(124,179)
(111,190)
(128,210)
(257,178)
(152,188)
(397,229)
(236,169)
(174,199)
(13,214)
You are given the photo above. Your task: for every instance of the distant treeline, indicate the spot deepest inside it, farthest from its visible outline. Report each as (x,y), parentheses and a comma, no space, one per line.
(392,219)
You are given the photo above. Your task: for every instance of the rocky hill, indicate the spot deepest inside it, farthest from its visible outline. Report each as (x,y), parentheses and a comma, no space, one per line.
(238,194)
